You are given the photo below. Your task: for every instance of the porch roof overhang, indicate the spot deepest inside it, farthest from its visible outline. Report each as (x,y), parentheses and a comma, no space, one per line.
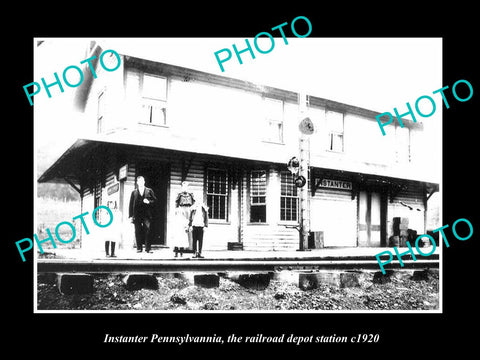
(67,168)
(64,169)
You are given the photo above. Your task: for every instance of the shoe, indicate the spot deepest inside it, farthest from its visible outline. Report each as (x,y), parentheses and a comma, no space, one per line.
(139,251)
(200,256)
(113,255)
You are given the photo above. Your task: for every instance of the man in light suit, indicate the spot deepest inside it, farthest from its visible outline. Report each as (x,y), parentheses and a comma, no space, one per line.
(140,213)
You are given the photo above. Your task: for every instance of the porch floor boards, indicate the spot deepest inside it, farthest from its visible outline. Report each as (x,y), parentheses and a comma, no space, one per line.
(340,253)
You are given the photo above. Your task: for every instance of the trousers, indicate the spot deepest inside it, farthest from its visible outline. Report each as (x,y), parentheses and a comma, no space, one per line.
(142,233)
(197,235)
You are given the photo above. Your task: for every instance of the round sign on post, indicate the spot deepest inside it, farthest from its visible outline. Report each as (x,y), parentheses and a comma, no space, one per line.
(306,126)
(300,181)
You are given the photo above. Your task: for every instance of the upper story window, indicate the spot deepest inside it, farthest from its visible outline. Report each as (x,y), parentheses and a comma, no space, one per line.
(402,144)
(154,100)
(100,112)
(273,113)
(335,129)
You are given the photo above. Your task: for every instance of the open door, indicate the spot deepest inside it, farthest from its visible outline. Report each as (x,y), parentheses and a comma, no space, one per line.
(372,219)
(157,176)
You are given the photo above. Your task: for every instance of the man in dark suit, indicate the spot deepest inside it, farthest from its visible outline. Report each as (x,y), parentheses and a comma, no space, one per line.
(140,212)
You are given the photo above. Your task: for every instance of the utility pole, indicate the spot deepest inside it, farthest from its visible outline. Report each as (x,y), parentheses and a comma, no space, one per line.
(306,129)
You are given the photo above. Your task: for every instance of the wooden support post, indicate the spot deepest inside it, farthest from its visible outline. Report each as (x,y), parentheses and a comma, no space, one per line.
(186,168)
(73,185)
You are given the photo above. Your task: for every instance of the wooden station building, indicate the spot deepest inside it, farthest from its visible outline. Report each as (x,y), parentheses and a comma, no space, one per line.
(231,140)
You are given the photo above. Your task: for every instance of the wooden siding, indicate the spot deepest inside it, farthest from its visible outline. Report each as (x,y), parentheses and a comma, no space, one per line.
(273,235)
(218,233)
(199,101)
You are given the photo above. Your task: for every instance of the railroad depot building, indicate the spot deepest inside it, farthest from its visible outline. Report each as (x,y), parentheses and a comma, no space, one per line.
(231,140)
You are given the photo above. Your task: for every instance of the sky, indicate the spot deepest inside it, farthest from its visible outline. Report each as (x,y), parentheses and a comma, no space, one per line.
(374,73)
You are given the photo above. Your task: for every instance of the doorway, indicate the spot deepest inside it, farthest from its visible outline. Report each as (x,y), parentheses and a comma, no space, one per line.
(334,218)
(157,177)
(372,219)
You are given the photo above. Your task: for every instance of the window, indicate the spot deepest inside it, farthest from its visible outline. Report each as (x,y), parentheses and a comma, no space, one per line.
(100,112)
(288,197)
(273,112)
(217,194)
(335,131)
(258,196)
(154,100)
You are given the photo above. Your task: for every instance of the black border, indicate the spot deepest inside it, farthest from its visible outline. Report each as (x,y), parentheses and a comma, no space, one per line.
(84,333)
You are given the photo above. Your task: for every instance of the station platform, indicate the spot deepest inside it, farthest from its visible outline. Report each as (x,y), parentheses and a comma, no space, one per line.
(164,260)
(340,253)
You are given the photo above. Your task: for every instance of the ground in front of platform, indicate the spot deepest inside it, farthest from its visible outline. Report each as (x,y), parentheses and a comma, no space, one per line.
(174,293)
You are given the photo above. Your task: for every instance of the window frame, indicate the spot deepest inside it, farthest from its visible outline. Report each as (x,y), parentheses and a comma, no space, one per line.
(252,196)
(295,198)
(225,196)
(331,133)
(149,103)
(270,120)
(100,111)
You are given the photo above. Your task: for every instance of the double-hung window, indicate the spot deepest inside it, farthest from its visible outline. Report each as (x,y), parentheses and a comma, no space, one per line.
(288,197)
(335,130)
(154,100)
(217,194)
(273,113)
(100,112)
(258,196)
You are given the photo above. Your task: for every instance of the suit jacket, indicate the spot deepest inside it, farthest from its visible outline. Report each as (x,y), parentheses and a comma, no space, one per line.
(137,208)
